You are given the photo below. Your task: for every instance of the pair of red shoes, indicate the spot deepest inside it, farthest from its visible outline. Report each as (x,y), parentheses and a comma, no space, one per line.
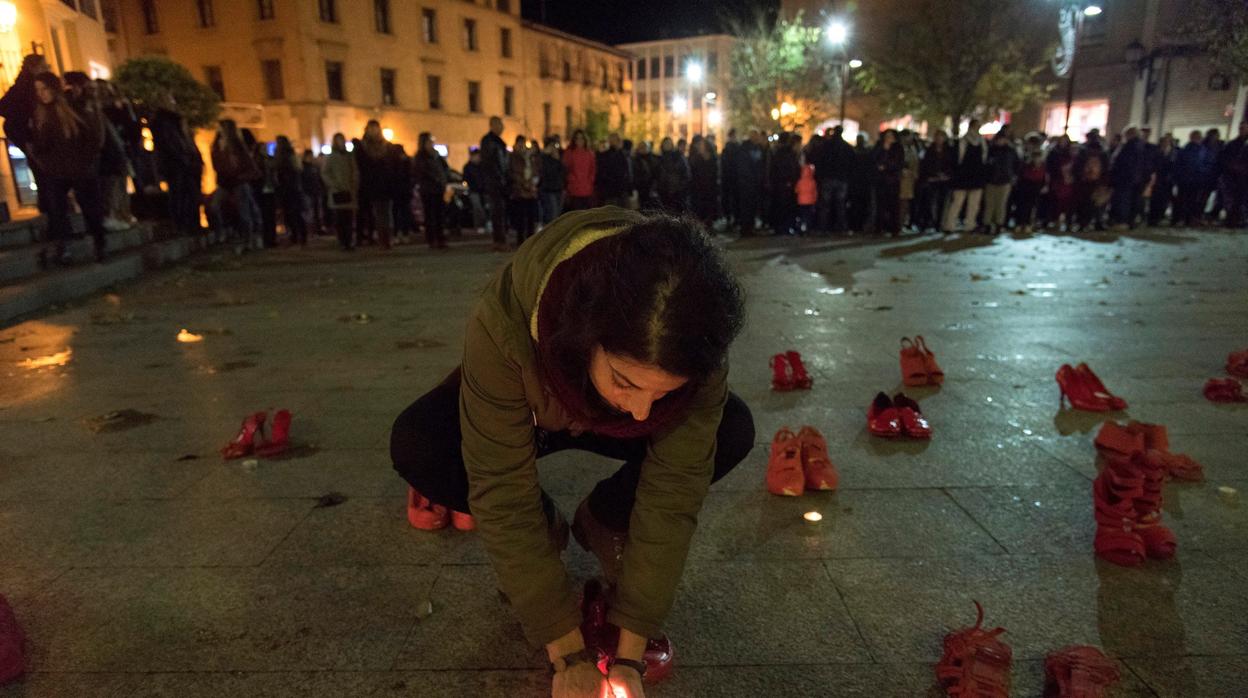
(1118,442)
(604,638)
(1085,391)
(977,663)
(1127,501)
(12,645)
(789,373)
(800,462)
(899,416)
(427,516)
(918,363)
(246,443)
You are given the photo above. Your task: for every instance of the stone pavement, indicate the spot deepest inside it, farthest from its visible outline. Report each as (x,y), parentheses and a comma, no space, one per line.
(143,565)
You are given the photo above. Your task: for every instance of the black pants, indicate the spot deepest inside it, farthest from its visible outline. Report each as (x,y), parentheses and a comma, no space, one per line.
(344,222)
(435,210)
(497,203)
(425,448)
(56,200)
(523,218)
(292,216)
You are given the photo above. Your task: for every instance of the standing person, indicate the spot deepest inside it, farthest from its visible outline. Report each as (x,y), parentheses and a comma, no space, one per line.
(233,203)
(550,190)
(580,167)
(1164,162)
(1002,170)
(704,183)
(112,162)
(786,169)
(970,173)
(935,174)
(673,178)
(18,107)
(1127,175)
(1233,167)
(1031,178)
(265,189)
(728,164)
(1188,165)
(375,162)
(644,173)
(807,198)
(313,191)
(179,163)
(1092,184)
(403,181)
(862,187)
(833,162)
(289,170)
(119,112)
(432,175)
(524,182)
(751,172)
(65,145)
(341,175)
(608,333)
(476,189)
(614,174)
(1060,173)
(495,174)
(889,162)
(909,176)
(1211,176)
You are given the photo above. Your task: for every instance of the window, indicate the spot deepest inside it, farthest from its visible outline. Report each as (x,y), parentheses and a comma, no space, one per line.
(503,5)
(265,8)
(509,100)
(654,67)
(470,35)
(474,96)
(712,63)
(567,71)
(434,83)
(567,119)
(504,39)
(680,65)
(654,101)
(151,23)
(87,7)
(387,87)
(203,10)
(274,87)
(333,81)
(619,77)
(429,25)
(545,118)
(328,10)
(669,66)
(212,76)
(641,69)
(381,16)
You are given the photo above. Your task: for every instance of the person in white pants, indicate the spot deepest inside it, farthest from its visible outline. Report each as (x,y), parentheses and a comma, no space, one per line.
(970,173)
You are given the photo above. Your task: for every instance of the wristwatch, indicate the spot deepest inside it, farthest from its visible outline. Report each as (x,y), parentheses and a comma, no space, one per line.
(634,664)
(581,656)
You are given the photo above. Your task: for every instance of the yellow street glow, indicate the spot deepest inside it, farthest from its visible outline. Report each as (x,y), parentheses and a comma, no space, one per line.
(813,516)
(57,359)
(187,337)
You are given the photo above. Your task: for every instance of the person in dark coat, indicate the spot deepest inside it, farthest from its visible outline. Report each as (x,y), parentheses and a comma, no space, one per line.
(704,182)
(375,160)
(550,189)
(786,169)
(65,144)
(833,161)
(1127,175)
(313,191)
(645,170)
(432,175)
(1091,182)
(402,179)
(289,171)
(728,160)
(614,174)
(1164,160)
(935,173)
(495,176)
(862,187)
(233,204)
(751,180)
(18,106)
(113,163)
(1233,168)
(672,178)
(179,163)
(889,159)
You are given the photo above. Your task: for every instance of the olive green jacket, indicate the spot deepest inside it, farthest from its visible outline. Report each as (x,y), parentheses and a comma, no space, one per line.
(502,400)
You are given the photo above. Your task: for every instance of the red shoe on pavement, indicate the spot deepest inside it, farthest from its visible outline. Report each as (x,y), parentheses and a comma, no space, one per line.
(1114,492)
(1081,394)
(1159,540)
(976,663)
(603,637)
(1079,671)
(785,476)
(423,514)
(913,423)
(820,473)
(245,442)
(935,375)
(801,379)
(1099,391)
(913,368)
(462,521)
(780,379)
(882,418)
(1224,390)
(280,442)
(1115,441)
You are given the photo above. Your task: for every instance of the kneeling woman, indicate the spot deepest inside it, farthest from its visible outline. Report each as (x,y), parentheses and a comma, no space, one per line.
(608,332)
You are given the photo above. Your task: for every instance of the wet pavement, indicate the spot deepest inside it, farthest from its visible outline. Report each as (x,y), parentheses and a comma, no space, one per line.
(141,564)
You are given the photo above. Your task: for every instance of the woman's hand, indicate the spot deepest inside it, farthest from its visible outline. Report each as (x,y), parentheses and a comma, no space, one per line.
(580,681)
(625,683)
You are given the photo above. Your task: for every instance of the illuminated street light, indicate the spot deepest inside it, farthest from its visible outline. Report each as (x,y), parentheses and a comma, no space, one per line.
(855,63)
(8,16)
(714,118)
(1092,10)
(679,105)
(694,72)
(787,109)
(838,32)
(775,114)
(710,96)
(387,133)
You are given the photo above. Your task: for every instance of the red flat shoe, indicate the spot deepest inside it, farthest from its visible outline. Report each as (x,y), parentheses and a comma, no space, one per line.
(801,380)
(780,380)
(1079,671)
(462,521)
(1224,390)
(913,423)
(913,369)
(1237,363)
(784,467)
(1113,496)
(820,473)
(935,376)
(280,442)
(1115,441)
(1077,392)
(976,663)
(423,514)
(882,418)
(1099,390)
(604,638)
(245,442)
(12,645)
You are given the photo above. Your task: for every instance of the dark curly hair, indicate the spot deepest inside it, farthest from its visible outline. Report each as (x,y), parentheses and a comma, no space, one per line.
(659,293)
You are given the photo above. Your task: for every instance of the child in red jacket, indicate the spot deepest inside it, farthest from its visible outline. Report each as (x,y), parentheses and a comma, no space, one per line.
(807,197)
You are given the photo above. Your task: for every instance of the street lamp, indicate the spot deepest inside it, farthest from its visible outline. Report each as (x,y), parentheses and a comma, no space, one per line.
(855,63)
(838,36)
(1069,25)
(693,75)
(1091,10)
(8,16)
(838,32)
(679,105)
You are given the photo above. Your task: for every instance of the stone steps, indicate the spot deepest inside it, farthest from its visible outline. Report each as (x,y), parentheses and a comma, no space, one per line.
(17,263)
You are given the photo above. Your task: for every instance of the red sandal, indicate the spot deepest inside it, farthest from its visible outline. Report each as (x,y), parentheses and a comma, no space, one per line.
(820,473)
(1159,540)
(976,663)
(1114,492)
(784,467)
(913,369)
(1079,671)
(801,379)
(1224,390)
(935,376)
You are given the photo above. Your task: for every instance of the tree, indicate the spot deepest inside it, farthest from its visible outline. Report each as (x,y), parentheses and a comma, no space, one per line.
(963,58)
(1222,25)
(774,62)
(151,80)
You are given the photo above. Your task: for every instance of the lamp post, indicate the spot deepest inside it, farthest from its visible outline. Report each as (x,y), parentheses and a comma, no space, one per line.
(1069,24)
(838,36)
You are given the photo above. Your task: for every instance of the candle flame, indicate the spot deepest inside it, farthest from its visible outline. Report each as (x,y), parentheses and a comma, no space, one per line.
(187,337)
(813,516)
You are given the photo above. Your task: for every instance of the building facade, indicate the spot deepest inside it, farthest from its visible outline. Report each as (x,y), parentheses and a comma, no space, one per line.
(680,86)
(310,68)
(70,33)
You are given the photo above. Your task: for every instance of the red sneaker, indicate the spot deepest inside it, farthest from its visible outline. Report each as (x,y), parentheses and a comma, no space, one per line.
(12,645)
(882,418)
(975,662)
(818,468)
(784,468)
(604,638)
(1079,671)
(912,420)
(423,514)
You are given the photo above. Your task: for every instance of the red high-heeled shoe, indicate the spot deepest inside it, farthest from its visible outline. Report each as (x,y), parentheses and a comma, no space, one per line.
(780,379)
(801,379)
(1098,388)
(280,441)
(245,442)
(1075,389)
(882,418)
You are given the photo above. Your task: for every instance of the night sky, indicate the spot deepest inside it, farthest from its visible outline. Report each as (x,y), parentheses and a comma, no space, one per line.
(624,21)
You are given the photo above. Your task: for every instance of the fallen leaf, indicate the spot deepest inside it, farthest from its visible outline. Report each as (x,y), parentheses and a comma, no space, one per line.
(331,499)
(424,609)
(979,277)
(120,420)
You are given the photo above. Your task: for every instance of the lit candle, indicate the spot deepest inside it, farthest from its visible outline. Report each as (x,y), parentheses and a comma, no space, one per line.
(813,516)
